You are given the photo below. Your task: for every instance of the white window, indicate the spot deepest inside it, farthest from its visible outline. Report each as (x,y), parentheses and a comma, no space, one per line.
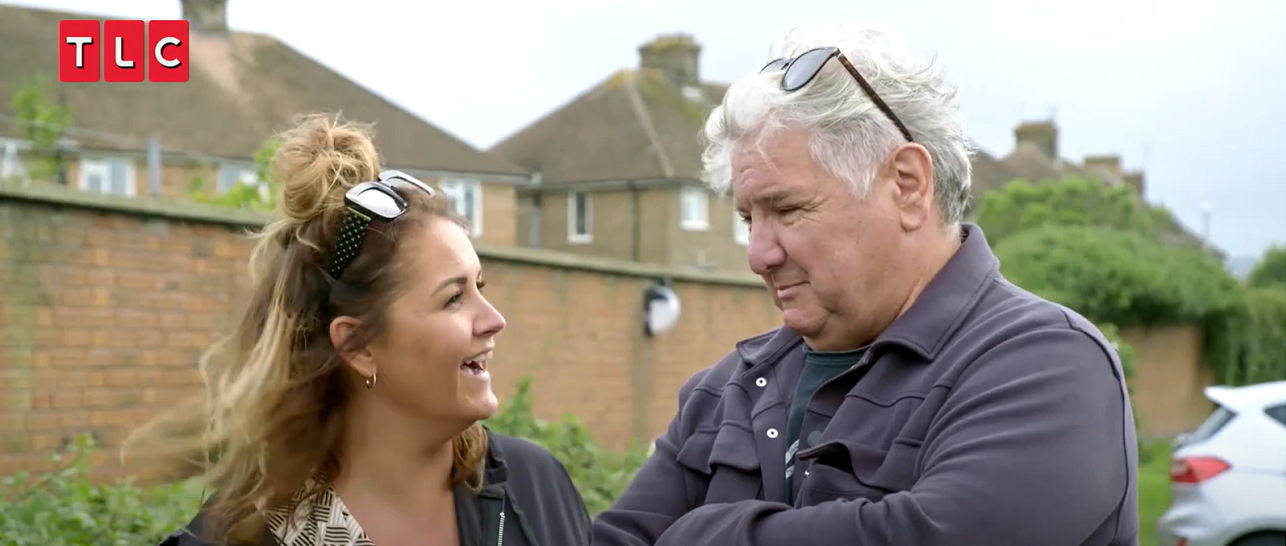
(238,173)
(466,198)
(11,164)
(740,229)
(694,205)
(579,217)
(110,175)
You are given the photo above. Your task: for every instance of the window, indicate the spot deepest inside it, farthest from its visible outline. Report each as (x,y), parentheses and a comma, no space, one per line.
(245,174)
(11,162)
(466,198)
(694,204)
(1217,420)
(579,217)
(113,176)
(740,229)
(1277,413)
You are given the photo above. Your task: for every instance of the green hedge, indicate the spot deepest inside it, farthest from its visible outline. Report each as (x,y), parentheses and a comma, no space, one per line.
(66,507)
(1131,279)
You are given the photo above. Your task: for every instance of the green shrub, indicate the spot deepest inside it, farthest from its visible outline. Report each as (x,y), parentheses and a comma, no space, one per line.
(1072,201)
(64,507)
(600,474)
(1128,279)
(67,507)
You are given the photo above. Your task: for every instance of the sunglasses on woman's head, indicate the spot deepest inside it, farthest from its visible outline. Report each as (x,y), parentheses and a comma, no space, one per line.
(803,68)
(369,202)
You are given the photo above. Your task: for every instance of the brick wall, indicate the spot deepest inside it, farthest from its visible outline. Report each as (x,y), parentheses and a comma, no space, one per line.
(1169,377)
(108,302)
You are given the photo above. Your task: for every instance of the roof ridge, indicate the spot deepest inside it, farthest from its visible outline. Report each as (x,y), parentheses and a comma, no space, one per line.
(645,119)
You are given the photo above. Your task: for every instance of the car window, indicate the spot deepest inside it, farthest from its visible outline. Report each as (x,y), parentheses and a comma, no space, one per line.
(1213,424)
(1278,413)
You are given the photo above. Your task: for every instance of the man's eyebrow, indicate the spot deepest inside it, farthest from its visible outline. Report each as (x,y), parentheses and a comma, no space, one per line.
(772,197)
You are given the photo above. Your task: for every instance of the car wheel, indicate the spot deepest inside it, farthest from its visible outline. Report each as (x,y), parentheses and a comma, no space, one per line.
(1262,539)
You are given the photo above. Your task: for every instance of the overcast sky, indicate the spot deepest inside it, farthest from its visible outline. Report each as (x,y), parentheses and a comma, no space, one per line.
(1194,93)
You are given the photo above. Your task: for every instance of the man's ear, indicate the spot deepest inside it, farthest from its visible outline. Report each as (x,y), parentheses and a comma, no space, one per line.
(913,167)
(342,330)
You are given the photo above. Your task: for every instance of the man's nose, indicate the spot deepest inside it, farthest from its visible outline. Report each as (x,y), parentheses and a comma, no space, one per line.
(764,251)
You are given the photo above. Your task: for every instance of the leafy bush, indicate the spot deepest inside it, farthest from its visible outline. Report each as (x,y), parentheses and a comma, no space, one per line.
(1270,272)
(600,475)
(65,507)
(68,507)
(1072,201)
(1117,276)
(1128,279)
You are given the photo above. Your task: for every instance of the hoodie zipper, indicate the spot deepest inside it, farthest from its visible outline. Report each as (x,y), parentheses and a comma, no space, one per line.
(500,533)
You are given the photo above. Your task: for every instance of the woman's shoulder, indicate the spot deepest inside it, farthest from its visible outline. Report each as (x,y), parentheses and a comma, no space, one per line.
(521,452)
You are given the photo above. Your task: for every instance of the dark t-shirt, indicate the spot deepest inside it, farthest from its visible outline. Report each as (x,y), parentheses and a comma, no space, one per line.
(819,368)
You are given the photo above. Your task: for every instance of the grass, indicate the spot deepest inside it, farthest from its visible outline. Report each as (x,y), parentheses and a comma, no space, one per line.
(1154,489)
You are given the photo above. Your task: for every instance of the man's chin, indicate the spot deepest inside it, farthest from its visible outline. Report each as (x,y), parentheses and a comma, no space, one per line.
(801,321)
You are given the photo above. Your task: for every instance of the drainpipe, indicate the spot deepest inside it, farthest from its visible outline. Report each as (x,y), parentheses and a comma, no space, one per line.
(154,164)
(636,221)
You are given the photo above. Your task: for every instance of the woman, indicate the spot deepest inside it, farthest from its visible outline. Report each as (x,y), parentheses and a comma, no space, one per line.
(345,409)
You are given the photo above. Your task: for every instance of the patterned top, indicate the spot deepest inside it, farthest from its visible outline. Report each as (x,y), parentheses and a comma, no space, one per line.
(324,521)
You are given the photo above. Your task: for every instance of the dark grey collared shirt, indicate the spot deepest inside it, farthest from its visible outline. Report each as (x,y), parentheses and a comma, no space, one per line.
(983,416)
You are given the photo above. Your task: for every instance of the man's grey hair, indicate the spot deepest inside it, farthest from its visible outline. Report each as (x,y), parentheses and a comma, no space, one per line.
(849,136)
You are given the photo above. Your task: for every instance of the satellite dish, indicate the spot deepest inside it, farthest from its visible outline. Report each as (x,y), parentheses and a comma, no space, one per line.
(660,308)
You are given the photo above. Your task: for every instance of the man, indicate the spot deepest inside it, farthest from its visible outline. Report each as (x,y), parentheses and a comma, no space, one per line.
(913,396)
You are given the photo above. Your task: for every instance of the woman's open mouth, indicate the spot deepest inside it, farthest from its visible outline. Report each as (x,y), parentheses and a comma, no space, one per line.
(476,365)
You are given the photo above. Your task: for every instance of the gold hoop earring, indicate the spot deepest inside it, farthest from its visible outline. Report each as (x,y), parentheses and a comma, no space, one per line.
(370,381)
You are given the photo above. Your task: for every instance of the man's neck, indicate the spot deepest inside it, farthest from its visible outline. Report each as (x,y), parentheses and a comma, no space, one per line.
(935,257)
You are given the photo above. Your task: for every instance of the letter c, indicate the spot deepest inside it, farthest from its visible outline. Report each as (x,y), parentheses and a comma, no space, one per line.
(160,45)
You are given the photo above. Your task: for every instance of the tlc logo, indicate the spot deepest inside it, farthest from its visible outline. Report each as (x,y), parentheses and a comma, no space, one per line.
(124,51)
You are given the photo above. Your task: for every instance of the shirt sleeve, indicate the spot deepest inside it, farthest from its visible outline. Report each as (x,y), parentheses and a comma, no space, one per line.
(1034,445)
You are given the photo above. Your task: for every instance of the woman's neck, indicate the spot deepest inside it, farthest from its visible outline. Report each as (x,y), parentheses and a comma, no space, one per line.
(391,456)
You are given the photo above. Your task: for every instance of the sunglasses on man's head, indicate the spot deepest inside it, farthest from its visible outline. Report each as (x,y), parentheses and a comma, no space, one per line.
(803,68)
(367,202)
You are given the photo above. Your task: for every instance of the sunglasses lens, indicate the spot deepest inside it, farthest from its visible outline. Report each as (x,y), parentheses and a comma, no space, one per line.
(401,179)
(379,202)
(774,65)
(805,68)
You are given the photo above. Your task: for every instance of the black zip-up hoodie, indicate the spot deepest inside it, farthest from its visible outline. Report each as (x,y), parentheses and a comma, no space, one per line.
(527,499)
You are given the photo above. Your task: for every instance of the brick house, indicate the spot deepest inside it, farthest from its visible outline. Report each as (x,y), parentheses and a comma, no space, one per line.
(620,165)
(156,140)
(620,168)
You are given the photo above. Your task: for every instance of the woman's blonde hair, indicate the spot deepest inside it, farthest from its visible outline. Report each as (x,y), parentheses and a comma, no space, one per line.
(270,423)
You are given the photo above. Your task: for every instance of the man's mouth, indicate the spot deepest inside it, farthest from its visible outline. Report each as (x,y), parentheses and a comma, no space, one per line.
(477,364)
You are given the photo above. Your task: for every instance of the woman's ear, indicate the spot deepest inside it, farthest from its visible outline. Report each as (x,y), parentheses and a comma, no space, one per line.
(342,330)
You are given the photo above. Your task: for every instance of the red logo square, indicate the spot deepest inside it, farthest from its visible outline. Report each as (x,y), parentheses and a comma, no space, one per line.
(78,51)
(167,51)
(124,51)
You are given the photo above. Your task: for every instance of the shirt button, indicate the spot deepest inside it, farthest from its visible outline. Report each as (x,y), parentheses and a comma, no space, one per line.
(761,382)
(772,433)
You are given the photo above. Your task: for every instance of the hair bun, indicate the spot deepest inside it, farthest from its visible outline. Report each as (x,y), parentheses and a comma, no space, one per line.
(320,158)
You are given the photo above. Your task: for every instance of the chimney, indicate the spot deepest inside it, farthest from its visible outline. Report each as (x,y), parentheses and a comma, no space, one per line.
(1135,180)
(206,16)
(675,55)
(1107,162)
(1042,134)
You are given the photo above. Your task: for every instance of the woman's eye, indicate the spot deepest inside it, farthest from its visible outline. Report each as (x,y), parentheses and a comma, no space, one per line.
(455,299)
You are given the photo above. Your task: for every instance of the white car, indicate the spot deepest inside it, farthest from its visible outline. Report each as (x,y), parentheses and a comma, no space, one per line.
(1228,476)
